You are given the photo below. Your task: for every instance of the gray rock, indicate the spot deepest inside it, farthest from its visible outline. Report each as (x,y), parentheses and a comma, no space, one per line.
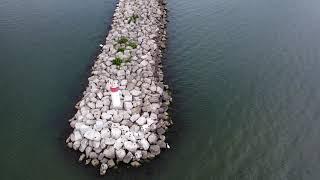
(127,123)
(115,133)
(134,117)
(141,121)
(144,144)
(155,149)
(161,144)
(117,118)
(130,146)
(81,158)
(109,152)
(135,92)
(128,106)
(161,131)
(103,169)
(120,154)
(111,163)
(109,141)
(106,116)
(152,138)
(95,162)
(135,164)
(128,157)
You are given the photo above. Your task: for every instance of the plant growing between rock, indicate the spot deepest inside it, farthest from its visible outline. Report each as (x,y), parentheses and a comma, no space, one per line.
(117,61)
(133,18)
(121,49)
(123,40)
(132,44)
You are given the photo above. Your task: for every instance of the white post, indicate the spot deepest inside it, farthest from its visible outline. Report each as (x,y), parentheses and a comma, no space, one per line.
(115,94)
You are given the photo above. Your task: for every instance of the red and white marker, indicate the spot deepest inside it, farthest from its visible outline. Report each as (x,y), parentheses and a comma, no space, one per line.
(115,94)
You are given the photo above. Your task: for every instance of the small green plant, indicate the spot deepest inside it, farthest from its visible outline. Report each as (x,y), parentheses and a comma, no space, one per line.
(117,61)
(132,44)
(133,18)
(121,49)
(123,40)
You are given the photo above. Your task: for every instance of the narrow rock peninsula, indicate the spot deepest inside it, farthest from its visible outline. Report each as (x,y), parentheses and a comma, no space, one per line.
(133,131)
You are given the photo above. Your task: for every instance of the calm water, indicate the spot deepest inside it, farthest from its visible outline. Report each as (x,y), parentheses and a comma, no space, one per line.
(244,75)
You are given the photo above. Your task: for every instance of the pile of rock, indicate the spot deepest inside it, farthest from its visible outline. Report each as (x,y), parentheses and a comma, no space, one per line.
(106,135)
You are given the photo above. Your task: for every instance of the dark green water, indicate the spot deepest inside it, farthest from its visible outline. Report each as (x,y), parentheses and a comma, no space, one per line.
(245,83)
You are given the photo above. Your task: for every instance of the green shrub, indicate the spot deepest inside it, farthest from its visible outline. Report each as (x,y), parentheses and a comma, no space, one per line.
(133,45)
(121,49)
(123,40)
(133,18)
(117,61)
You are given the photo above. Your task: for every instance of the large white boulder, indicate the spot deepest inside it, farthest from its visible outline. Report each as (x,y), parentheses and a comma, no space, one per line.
(105,133)
(130,146)
(106,116)
(135,92)
(128,105)
(144,144)
(77,136)
(141,121)
(120,154)
(134,117)
(92,135)
(115,133)
(152,138)
(109,152)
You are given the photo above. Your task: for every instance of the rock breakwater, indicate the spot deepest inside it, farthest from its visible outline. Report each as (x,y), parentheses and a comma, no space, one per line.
(131,57)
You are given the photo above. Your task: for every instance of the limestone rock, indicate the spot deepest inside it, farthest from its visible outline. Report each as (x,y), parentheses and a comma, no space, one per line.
(130,146)
(109,152)
(115,133)
(120,154)
(103,169)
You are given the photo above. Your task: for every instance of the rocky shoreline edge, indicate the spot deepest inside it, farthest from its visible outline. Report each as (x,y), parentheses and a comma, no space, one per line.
(133,133)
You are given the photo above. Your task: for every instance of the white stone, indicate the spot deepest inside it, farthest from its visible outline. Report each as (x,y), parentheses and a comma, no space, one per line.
(106,116)
(135,92)
(77,136)
(118,144)
(99,125)
(91,105)
(127,98)
(138,154)
(105,133)
(89,116)
(141,121)
(134,117)
(103,169)
(109,141)
(115,133)
(144,144)
(144,63)
(121,73)
(117,117)
(159,90)
(128,106)
(109,152)
(92,135)
(130,146)
(152,138)
(99,104)
(100,95)
(120,154)
(130,136)
(96,144)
